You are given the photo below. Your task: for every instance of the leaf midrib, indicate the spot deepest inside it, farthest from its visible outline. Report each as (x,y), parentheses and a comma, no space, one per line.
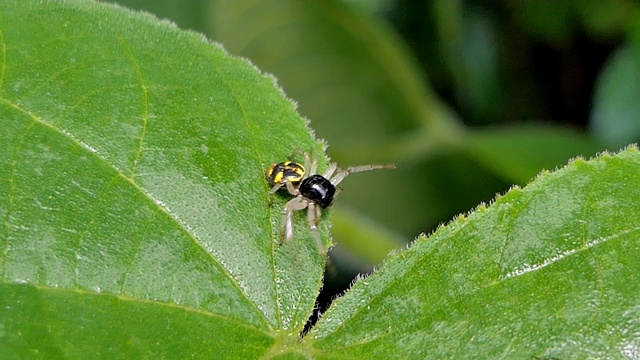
(120,173)
(125,298)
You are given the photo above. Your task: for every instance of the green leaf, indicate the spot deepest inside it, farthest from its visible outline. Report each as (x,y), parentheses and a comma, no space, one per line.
(518,153)
(136,219)
(468,41)
(135,213)
(350,74)
(547,271)
(606,18)
(554,26)
(187,14)
(616,109)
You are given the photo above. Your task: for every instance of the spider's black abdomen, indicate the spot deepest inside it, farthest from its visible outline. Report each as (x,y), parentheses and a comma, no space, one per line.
(317,189)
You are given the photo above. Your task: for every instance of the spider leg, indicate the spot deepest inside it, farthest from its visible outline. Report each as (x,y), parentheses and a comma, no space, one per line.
(330,170)
(313,218)
(318,214)
(339,177)
(312,164)
(292,189)
(355,169)
(286,226)
(275,188)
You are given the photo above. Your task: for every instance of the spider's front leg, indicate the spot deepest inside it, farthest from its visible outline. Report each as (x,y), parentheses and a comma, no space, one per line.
(275,188)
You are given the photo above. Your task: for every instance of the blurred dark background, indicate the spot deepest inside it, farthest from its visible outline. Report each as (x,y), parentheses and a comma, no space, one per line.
(468,98)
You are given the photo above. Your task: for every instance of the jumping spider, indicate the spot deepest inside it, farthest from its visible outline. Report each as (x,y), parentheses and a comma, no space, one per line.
(312,192)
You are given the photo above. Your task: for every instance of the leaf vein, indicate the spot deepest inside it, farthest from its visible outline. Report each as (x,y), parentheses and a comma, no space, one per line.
(146,301)
(11,196)
(255,150)
(3,53)
(561,255)
(160,204)
(145,103)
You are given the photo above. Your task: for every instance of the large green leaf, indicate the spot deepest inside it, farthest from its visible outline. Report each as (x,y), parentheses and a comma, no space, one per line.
(136,221)
(547,271)
(135,214)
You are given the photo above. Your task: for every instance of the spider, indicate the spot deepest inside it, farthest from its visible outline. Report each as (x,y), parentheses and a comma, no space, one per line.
(312,192)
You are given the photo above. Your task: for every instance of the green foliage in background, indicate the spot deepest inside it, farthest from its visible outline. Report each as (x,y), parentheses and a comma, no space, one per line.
(136,221)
